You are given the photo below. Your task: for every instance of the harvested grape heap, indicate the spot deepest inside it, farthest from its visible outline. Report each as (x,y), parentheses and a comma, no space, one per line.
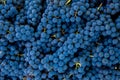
(59,39)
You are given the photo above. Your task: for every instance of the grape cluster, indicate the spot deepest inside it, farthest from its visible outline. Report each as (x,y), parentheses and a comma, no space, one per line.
(59,40)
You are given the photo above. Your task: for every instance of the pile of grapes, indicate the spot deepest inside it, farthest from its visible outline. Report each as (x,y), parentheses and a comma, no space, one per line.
(59,39)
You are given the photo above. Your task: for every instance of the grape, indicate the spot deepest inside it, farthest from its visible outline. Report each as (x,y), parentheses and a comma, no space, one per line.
(59,39)
(34,10)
